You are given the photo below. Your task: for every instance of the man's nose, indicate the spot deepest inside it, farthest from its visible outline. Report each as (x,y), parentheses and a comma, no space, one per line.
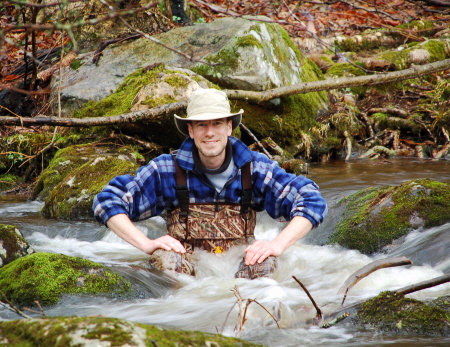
(209,129)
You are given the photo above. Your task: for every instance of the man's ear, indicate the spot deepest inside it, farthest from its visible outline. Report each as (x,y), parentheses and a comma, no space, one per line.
(191,131)
(230,127)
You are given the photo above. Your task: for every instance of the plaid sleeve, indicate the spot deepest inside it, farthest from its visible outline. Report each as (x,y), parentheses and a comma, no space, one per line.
(140,197)
(285,195)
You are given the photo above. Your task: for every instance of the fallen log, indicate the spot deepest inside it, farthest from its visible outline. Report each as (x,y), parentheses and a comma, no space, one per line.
(246,95)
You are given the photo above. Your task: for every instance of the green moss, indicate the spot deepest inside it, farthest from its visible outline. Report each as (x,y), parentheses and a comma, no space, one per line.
(248,41)
(417,25)
(374,217)
(64,331)
(46,276)
(75,64)
(72,198)
(437,49)
(121,100)
(347,70)
(396,314)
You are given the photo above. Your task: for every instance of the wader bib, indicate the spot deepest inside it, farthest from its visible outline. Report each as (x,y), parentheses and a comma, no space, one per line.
(214,227)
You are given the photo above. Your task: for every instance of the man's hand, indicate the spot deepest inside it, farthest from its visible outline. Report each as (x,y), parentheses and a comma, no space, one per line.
(260,250)
(166,242)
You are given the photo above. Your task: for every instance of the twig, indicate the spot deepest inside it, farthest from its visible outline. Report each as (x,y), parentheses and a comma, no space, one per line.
(319,314)
(10,306)
(255,139)
(335,321)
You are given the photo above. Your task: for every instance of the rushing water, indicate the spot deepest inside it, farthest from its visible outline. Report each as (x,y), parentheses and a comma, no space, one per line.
(208,303)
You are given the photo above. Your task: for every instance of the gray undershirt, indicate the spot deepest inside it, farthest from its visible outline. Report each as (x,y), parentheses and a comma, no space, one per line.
(219,179)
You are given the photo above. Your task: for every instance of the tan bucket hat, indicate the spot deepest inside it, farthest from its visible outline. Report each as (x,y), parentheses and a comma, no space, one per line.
(207,104)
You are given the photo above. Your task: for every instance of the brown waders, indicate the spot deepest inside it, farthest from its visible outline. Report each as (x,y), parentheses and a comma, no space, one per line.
(214,227)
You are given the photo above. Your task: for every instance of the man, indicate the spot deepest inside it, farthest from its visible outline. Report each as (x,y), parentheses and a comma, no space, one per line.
(211,189)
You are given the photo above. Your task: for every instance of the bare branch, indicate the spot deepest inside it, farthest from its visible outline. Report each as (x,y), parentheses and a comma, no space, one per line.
(319,314)
(368,269)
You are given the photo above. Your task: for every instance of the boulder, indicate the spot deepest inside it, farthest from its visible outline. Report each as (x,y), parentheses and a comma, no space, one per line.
(104,331)
(238,53)
(12,244)
(45,277)
(76,174)
(373,219)
(234,53)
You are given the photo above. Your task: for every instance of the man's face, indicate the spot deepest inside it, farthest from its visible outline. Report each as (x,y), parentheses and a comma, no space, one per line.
(210,137)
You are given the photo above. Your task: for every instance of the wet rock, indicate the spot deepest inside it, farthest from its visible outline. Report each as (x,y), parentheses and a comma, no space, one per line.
(104,331)
(75,175)
(12,244)
(45,277)
(376,218)
(393,313)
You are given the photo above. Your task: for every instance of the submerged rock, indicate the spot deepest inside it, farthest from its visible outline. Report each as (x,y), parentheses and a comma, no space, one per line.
(393,313)
(12,244)
(104,331)
(373,218)
(45,277)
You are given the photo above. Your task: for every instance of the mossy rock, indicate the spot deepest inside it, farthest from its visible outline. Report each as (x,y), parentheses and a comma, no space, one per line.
(45,277)
(62,164)
(373,218)
(393,313)
(12,244)
(145,89)
(104,331)
(72,198)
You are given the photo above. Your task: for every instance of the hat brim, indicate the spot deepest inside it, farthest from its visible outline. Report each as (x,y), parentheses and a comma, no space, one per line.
(182,123)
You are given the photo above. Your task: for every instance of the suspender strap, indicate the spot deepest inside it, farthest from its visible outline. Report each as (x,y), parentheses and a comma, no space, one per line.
(182,191)
(246,189)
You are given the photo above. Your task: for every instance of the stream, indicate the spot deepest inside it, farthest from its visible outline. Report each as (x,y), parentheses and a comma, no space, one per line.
(207,302)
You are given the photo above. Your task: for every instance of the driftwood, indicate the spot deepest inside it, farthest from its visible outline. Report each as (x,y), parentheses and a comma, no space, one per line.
(250,96)
(368,269)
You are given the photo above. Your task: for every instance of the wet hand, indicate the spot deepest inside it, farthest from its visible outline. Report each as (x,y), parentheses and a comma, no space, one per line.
(261,250)
(167,243)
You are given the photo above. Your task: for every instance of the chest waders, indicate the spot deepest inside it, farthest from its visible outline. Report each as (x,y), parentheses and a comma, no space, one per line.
(214,227)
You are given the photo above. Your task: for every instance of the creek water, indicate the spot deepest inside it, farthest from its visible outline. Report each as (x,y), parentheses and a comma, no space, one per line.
(207,302)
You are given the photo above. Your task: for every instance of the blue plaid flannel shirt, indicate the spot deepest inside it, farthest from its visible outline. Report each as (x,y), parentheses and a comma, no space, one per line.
(152,190)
